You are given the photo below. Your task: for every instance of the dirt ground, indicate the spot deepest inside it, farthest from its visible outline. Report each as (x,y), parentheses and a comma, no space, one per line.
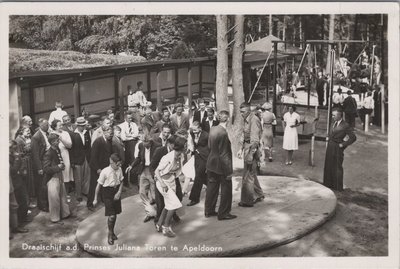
(359,228)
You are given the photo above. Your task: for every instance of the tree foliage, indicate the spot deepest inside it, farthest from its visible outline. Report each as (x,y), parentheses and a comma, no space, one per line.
(159,37)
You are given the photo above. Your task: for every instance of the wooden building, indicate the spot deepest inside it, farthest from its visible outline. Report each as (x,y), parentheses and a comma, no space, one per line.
(100,88)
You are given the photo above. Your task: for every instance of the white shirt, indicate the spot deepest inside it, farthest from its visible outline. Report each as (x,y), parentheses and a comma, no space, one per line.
(136,154)
(210,122)
(179,120)
(146,156)
(125,134)
(109,177)
(336,124)
(368,102)
(58,114)
(141,98)
(45,138)
(163,141)
(202,115)
(82,135)
(337,98)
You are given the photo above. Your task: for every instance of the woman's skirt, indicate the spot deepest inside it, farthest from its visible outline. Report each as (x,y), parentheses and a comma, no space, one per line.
(268,136)
(171,201)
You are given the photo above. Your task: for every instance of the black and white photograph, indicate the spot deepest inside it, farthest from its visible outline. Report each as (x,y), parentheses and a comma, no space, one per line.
(264,133)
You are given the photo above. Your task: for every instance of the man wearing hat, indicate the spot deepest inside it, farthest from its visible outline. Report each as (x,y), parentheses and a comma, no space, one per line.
(251,189)
(80,158)
(146,181)
(350,109)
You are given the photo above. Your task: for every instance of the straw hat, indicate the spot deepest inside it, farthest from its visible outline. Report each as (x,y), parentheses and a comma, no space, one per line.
(266,106)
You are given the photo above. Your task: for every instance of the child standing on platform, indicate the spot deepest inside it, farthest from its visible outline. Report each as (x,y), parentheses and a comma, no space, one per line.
(110,180)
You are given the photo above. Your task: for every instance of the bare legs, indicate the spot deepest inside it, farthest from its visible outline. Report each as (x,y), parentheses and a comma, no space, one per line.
(289,157)
(111,224)
(164,222)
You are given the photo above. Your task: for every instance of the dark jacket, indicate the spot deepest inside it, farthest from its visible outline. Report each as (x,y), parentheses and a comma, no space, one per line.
(118,147)
(201,150)
(50,164)
(158,154)
(15,170)
(338,134)
(38,143)
(139,162)
(350,105)
(80,151)
(220,159)
(149,124)
(205,126)
(197,115)
(100,154)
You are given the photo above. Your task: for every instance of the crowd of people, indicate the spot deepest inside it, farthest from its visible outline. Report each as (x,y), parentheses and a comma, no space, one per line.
(96,158)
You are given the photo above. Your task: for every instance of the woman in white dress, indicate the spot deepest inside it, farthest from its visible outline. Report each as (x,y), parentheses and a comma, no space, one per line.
(64,145)
(290,140)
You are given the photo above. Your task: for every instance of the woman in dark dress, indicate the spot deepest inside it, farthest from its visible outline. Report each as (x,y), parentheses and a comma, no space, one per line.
(24,148)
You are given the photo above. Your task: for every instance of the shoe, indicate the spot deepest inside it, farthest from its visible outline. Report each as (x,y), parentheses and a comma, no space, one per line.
(158,227)
(114,237)
(290,163)
(245,205)
(167,231)
(287,163)
(192,203)
(147,218)
(176,218)
(259,199)
(211,214)
(20,230)
(227,217)
(270,159)
(79,199)
(152,202)
(91,208)
(110,239)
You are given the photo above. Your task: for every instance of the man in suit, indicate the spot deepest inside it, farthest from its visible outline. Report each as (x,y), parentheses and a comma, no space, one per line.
(99,159)
(321,88)
(147,184)
(340,137)
(159,199)
(161,139)
(201,113)
(80,158)
(200,152)
(250,151)
(219,170)
(149,122)
(40,145)
(179,120)
(165,119)
(350,109)
(106,122)
(209,121)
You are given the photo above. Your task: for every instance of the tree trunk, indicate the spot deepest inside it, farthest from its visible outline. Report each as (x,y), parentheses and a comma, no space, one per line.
(221,85)
(331,37)
(270,26)
(284,28)
(237,80)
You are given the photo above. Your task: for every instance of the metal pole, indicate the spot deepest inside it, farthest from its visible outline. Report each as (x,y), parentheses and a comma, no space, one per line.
(372,65)
(275,75)
(302,59)
(382,108)
(259,77)
(332,56)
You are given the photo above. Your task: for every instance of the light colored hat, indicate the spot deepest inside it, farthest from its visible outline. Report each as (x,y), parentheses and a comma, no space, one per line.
(266,106)
(80,121)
